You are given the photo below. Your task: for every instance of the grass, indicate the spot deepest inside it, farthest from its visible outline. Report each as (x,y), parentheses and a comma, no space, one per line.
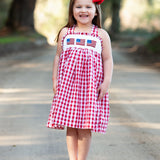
(10,39)
(18,37)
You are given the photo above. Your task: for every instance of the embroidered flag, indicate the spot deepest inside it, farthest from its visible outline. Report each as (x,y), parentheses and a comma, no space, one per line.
(91,43)
(70,41)
(80,42)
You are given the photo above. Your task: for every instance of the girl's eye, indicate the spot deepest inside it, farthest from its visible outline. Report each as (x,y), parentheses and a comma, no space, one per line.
(81,7)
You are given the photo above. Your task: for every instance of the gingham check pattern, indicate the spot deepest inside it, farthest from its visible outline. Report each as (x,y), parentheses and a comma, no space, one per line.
(75,103)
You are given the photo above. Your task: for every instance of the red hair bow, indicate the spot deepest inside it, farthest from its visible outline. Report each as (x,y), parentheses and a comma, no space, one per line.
(98,1)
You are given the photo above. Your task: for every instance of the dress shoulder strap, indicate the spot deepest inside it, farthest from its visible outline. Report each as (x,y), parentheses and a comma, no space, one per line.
(70,30)
(95,30)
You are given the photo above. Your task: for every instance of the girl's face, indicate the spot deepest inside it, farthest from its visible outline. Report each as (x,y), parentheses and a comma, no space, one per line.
(84,11)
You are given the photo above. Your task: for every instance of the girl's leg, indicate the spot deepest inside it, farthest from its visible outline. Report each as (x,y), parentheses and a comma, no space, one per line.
(72,143)
(84,141)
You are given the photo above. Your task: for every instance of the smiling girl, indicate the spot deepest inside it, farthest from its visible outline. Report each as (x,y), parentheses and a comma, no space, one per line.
(82,73)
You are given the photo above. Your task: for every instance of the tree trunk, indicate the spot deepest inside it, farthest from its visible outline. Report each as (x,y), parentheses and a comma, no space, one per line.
(106,10)
(21,15)
(115,8)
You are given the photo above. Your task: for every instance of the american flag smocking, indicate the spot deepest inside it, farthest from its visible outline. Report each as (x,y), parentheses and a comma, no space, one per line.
(91,43)
(70,41)
(80,42)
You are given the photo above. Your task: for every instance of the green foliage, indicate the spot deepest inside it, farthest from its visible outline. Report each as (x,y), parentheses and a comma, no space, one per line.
(150,2)
(152,13)
(138,32)
(153,44)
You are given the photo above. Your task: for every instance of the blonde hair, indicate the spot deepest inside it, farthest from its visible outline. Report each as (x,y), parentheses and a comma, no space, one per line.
(71,20)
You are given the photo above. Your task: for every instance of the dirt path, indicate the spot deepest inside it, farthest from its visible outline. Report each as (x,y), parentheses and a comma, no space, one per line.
(25,98)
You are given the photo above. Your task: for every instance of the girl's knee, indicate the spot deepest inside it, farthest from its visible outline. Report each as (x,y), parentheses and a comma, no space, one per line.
(84,133)
(71,131)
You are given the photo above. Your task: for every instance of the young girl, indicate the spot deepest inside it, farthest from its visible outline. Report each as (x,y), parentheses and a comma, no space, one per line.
(82,74)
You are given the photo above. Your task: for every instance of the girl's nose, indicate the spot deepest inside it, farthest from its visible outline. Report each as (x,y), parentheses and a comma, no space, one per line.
(83,9)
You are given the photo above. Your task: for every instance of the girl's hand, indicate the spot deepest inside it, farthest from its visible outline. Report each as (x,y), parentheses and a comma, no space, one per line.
(54,87)
(102,90)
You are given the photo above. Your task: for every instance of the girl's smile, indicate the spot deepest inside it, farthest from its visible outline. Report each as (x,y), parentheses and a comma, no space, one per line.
(83,15)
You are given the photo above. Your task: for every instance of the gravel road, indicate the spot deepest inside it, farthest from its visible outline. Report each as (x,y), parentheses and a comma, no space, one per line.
(25,99)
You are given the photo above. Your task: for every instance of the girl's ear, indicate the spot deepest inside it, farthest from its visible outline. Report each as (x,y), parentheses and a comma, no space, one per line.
(95,14)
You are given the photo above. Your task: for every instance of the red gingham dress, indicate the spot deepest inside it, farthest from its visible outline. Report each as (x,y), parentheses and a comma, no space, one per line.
(80,72)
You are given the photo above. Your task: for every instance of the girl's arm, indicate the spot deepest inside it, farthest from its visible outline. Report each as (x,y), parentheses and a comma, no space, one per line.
(56,59)
(107,62)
